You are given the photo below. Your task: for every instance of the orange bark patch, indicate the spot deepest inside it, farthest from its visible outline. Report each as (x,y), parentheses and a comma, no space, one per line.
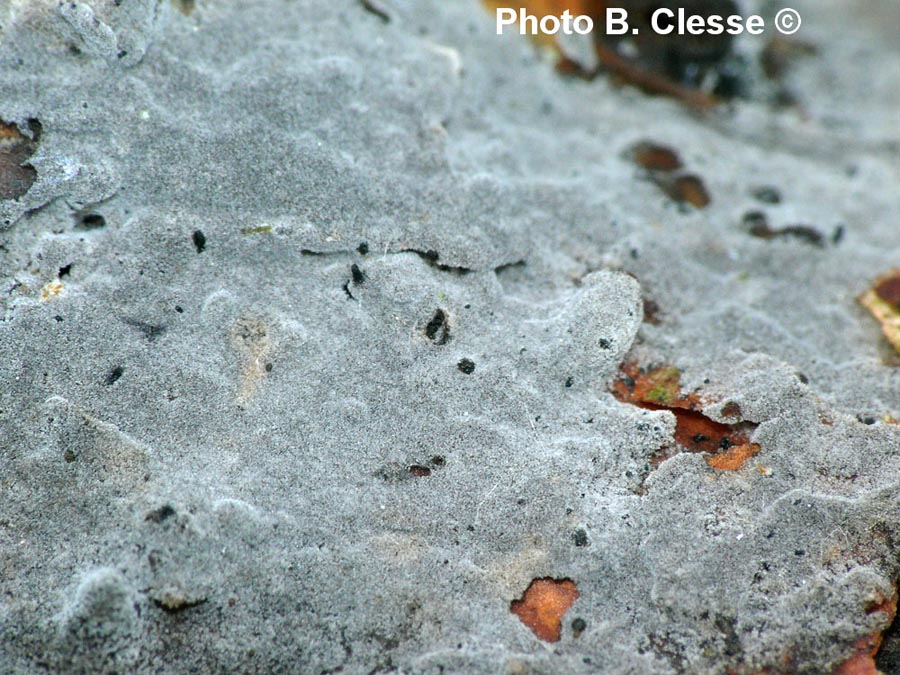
(862,662)
(733,458)
(660,389)
(543,604)
(657,386)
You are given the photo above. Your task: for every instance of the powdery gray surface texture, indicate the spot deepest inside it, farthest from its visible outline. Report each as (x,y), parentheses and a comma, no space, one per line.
(204,453)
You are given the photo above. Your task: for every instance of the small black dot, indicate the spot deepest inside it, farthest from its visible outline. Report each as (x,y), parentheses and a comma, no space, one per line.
(437,329)
(64,270)
(768,195)
(580,537)
(114,375)
(604,343)
(569,382)
(179,309)
(838,235)
(150,331)
(346,288)
(90,221)
(756,221)
(358,275)
(363,248)
(467,366)
(159,515)
(199,240)
(578,626)
(268,367)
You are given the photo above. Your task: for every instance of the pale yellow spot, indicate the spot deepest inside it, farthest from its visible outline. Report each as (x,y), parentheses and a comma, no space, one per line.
(252,340)
(51,290)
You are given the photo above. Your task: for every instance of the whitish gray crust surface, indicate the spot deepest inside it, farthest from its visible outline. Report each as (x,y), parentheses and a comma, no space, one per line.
(205,440)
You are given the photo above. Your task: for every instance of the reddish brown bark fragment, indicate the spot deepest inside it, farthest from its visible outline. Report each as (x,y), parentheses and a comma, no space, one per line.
(16,177)
(888,288)
(727,445)
(688,189)
(651,312)
(732,409)
(655,157)
(883,301)
(666,171)
(650,77)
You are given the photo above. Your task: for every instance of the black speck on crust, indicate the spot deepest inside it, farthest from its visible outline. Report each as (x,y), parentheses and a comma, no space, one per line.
(437,330)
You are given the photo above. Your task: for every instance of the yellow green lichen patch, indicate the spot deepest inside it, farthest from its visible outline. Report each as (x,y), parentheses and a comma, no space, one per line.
(664,386)
(259,229)
(186,7)
(883,301)
(654,386)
